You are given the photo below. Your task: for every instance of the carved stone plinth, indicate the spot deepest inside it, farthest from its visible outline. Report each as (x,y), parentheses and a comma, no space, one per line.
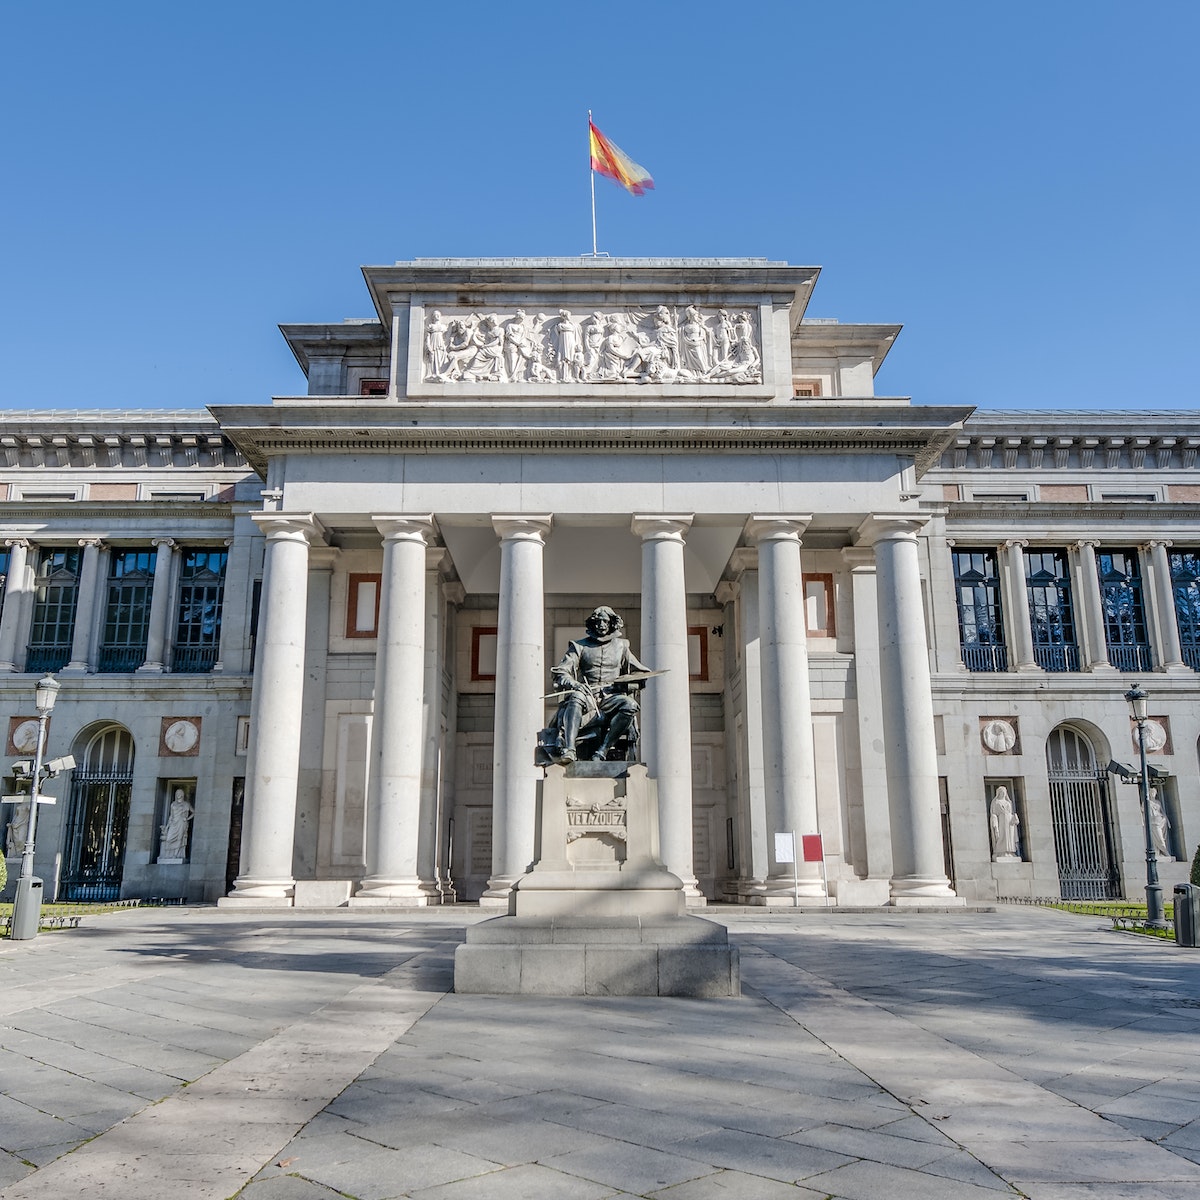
(599,914)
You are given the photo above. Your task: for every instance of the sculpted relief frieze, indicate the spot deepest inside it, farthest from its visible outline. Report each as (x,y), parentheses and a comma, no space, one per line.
(665,345)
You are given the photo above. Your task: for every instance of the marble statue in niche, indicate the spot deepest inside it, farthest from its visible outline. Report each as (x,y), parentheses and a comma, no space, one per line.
(1005,825)
(626,346)
(174,830)
(1160,825)
(18,830)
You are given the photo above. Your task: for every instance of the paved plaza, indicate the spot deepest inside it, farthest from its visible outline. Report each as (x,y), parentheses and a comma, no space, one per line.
(180,1054)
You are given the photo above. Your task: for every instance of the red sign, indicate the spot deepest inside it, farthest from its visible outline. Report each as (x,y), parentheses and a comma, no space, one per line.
(811,847)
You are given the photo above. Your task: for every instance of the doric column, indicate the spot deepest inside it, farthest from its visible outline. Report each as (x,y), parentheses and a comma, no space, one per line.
(1090,609)
(1161,611)
(789,763)
(394,789)
(276,711)
(868,692)
(666,723)
(16,588)
(520,707)
(1020,628)
(156,637)
(85,608)
(918,866)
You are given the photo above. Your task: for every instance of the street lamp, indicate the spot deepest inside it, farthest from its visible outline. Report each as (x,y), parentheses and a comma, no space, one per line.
(1138,709)
(27,903)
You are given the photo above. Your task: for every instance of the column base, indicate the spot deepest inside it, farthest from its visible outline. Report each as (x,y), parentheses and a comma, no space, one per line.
(1030,668)
(261,891)
(778,892)
(234,901)
(915,891)
(395,893)
(74,668)
(148,668)
(1172,668)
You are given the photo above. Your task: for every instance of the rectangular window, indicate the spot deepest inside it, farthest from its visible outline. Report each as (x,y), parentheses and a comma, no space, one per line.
(818,605)
(56,591)
(980,618)
(201,594)
(5,555)
(373,387)
(1051,610)
(1185,585)
(1124,610)
(127,610)
(362,606)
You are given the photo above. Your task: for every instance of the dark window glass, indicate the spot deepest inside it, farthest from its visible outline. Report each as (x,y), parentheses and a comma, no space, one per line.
(1185,585)
(1051,610)
(980,619)
(56,591)
(4,559)
(1124,610)
(127,609)
(201,594)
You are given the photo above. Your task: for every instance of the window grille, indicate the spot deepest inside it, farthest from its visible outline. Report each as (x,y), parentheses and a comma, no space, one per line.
(201,595)
(980,618)
(1051,610)
(1185,585)
(127,610)
(1124,610)
(56,593)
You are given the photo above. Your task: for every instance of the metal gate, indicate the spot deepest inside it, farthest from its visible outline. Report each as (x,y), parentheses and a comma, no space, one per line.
(98,824)
(1079,809)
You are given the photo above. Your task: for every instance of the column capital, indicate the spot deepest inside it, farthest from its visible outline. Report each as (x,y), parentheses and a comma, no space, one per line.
(395,528)
(169,542)
(726,591)
(860,559)
(453,591)
(523,527)
(671,526)
(91,541)
(743,559)
(1015,543)
(290,527)
(1083,544)
(777,527)
(23,543)
(891,527)
(1151,543)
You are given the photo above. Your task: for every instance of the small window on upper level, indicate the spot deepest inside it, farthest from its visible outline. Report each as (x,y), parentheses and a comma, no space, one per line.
(806,389)
(1009,497)
(177,494)
(45,494)
(373,387)
(1130,497)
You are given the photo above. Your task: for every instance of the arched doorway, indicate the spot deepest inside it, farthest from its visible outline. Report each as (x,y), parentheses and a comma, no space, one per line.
(1080,811)
(98,824)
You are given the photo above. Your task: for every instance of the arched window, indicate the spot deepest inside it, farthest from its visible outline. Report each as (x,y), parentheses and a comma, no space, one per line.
(98,826)
(1079,808)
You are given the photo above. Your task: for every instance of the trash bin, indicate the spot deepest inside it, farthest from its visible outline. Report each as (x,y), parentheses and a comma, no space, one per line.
(1187,913)
(27,909)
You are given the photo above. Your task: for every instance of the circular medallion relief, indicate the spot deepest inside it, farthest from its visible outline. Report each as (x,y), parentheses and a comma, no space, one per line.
(999,736)
(1156,736)
(181,736)
(25,737)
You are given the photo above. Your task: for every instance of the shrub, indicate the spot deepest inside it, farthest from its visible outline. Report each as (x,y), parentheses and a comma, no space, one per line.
(1196,868)
(4,868)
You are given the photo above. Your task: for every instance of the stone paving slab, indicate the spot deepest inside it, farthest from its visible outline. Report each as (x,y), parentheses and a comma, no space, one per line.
(303,1056)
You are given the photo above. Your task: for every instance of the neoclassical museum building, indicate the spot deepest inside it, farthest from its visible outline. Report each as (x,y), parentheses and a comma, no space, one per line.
(304,644)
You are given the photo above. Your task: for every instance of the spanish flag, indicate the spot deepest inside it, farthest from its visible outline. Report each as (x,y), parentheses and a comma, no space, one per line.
(609,159)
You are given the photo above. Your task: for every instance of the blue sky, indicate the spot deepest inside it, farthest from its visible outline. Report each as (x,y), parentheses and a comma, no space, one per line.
(1015,183)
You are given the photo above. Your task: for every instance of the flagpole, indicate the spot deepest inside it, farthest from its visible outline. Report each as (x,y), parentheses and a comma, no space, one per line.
(592,173)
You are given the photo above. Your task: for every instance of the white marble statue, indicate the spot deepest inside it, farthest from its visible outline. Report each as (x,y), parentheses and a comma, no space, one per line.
(1005,823)
(435,346)
(1159,825)
(174,830)
(568,345)
(695,344)
(18,831)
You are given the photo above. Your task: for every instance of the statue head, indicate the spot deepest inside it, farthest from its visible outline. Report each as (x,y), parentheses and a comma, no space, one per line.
(604,621)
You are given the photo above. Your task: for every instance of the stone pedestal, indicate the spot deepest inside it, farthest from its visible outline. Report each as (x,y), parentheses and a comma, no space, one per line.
(599,914)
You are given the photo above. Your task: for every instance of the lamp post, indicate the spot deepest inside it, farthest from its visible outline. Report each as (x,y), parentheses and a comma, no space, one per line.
(27,903)
(1139,708)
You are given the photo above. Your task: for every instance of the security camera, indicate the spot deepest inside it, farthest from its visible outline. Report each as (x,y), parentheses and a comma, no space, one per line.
(22,769)
(1124,773)
(55,765)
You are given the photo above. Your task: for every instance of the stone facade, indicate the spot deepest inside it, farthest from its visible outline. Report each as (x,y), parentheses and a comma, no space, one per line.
(329,619)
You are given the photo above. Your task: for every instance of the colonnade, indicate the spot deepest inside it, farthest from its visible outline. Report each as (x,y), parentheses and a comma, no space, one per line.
(20,583)
(1162,626)
(401,808)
